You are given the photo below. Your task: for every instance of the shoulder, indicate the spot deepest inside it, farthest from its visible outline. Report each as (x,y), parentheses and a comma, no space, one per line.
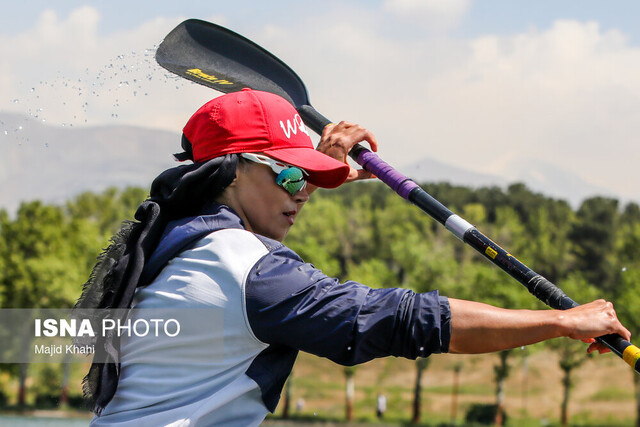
(239,249)
(244,241)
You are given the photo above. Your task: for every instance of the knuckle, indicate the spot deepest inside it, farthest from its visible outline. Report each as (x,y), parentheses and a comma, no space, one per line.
(338,140)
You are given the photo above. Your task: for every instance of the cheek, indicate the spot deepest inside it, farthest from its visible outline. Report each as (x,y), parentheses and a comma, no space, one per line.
(262,201)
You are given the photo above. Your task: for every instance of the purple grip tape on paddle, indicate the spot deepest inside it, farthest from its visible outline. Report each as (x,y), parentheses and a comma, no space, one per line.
(394,179)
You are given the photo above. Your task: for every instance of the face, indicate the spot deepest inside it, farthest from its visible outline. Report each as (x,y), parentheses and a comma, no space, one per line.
(265,207)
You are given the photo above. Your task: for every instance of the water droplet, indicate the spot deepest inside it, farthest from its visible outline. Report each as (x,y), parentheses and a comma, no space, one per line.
(421,349)
(33,89)
(349,348)
(522,348)
(6,132)
(19,127)
(15,101)
(315,414)
(624,269)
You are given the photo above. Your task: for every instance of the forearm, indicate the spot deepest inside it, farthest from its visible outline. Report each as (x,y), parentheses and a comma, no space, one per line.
(482,328)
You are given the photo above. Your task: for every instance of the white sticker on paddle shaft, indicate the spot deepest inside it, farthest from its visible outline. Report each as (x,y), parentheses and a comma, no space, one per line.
(458,226)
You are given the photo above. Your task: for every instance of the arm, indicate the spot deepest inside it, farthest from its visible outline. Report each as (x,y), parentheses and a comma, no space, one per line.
(293,304)
(481,328)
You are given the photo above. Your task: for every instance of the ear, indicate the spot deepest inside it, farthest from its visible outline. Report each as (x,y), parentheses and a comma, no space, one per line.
(228,194)
(234,182)
(241,169)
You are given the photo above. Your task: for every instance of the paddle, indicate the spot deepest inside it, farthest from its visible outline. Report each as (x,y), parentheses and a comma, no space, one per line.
(226,61)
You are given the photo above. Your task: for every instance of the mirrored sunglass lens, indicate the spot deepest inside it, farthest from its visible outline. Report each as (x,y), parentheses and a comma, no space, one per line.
(291,179)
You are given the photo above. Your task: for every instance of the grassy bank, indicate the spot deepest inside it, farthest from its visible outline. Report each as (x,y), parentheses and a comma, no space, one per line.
(603,393)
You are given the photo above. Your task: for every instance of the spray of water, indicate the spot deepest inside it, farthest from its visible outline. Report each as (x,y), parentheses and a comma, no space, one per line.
(103,95)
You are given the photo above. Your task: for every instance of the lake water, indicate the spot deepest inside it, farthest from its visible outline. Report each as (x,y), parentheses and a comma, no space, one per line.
(11,420)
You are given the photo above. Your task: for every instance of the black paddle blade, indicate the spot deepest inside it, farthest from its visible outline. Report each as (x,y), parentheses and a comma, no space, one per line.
(226,61)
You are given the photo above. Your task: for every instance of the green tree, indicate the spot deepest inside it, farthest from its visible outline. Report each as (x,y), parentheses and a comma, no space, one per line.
(456,368)
(593,238)
(107,209)
(492,286)
(501,373)
(316,235)
(628,296)
(4,253)
(46,258)
(350,391)
(572,353)
(421,365)
(548,247)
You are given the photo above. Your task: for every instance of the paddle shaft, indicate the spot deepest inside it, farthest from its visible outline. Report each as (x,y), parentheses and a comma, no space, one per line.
(537,285)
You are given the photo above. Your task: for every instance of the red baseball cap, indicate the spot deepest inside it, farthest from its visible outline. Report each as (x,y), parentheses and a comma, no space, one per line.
(252,121)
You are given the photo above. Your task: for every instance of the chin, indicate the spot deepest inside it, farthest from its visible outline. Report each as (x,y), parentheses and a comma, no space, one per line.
(279,237)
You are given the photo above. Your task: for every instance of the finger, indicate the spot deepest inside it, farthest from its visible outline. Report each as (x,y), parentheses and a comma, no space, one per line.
(625,333)
(600,348)
(619,328)
(358,134)
(327,129)
(355,134)
(359,174)
(373,142)
(589,340)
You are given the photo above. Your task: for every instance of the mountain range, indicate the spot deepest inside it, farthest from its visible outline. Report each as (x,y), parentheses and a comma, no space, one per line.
(55,163)
(539,176)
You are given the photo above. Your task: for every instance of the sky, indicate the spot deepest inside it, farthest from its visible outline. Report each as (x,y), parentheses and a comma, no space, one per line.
(479,85)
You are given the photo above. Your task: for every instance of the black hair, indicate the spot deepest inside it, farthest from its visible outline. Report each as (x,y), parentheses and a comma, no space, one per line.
(187,154)
(176,193)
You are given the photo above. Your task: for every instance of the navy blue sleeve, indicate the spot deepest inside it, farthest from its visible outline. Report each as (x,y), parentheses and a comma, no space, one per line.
(294,304)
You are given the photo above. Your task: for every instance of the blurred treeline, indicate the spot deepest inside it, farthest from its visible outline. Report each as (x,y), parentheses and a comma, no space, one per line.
(362,232)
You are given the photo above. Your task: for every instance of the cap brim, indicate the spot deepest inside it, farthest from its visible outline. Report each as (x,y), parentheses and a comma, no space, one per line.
(324,171)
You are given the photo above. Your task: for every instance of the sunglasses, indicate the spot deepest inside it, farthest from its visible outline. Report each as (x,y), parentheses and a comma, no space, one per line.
(291,178)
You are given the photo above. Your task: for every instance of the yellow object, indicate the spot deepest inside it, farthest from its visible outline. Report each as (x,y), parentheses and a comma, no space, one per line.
(491,253)
(631,355)
(196,72)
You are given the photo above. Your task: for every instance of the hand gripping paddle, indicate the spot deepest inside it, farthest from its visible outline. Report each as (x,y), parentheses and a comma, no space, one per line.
(225,61)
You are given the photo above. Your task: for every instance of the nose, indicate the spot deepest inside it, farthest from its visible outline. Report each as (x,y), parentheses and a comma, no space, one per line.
(301,196)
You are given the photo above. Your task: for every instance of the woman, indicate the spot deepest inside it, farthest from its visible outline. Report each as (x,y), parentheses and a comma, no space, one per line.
(210,237)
